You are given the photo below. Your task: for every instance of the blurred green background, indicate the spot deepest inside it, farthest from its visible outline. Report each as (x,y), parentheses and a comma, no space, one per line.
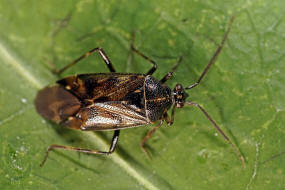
(244,92)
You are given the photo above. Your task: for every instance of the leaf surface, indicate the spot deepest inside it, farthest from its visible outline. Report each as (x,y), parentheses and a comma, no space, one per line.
(244,92)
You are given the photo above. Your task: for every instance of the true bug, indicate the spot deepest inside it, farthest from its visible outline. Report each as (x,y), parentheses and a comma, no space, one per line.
(114,101)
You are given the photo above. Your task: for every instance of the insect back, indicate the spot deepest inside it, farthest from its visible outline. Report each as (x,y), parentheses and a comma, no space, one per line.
(158,98)
(107,101)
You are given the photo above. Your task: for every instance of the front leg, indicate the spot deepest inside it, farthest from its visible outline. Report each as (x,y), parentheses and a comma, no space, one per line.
(170,120)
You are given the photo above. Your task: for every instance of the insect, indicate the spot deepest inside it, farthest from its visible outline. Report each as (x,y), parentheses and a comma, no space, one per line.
(115,101)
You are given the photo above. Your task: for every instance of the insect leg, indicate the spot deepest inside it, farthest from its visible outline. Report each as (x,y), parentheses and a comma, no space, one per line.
(212,60)
(88,151)
(102,54)
(170,73)
(152,70)
(170,120)
(148,135)
(219,130)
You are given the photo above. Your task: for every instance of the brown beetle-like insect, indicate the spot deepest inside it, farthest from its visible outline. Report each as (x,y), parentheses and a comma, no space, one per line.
(115,101)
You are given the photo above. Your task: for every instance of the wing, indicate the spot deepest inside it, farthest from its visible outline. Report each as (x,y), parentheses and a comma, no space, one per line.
(110,101)
(56,104)
(102,87)
(107,116)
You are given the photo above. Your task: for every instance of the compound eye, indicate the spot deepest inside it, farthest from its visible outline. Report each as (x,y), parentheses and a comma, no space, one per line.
(179,87)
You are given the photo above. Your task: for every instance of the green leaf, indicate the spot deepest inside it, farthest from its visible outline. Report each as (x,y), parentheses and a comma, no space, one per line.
(244,92)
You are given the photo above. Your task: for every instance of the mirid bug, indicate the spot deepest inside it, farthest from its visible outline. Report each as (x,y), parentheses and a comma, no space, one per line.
(115,101)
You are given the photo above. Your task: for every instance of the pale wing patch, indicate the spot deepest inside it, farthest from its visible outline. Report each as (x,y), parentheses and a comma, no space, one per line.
(111,115)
